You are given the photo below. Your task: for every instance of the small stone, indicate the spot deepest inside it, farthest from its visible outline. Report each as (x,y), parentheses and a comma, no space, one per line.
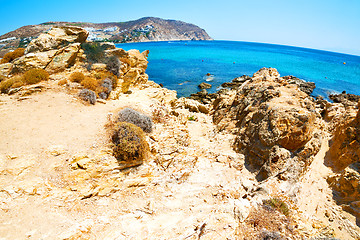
(99,100)
(56,150)
(204,85)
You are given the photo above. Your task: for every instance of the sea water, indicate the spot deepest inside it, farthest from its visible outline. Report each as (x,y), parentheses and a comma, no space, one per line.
(183,65)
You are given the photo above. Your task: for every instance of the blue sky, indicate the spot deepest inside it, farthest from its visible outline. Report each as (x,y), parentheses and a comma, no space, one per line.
(321,24)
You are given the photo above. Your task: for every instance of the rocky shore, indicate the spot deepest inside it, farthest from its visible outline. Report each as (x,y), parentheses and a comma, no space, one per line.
(259,159)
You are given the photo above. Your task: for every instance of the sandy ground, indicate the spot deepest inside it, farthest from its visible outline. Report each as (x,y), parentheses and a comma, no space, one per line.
(41,133)
(188,189)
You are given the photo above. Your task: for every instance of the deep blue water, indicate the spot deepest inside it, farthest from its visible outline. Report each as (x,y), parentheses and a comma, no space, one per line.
(183,65)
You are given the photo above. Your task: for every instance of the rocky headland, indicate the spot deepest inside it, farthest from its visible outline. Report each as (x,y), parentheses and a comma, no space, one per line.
(140,30)
(92,149)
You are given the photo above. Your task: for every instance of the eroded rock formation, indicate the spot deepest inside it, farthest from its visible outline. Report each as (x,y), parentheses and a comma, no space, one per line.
(344,158)
(275,123)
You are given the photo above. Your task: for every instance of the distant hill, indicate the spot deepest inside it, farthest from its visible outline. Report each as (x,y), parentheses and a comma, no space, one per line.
(141,30)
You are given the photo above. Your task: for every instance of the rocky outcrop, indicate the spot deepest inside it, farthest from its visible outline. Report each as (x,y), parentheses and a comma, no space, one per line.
(345,144)
(63,58)
(345,98)
(141,30)
(236,82)
(204,85)
(56,38)
(53,51)
(347,188)
(33,60)
(275,124)
(5,69)
(192,105)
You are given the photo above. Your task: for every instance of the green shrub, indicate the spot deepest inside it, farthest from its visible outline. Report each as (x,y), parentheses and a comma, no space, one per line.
(113,65)
(10,56)
(279,205)
(131,116)
(192,118)
(129,143)
(95,53)
(35,75)
(77,77)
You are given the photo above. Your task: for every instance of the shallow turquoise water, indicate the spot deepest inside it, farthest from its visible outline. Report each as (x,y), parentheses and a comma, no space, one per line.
(183,65)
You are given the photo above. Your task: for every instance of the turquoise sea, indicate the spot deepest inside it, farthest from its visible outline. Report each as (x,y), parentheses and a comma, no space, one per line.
(183,65)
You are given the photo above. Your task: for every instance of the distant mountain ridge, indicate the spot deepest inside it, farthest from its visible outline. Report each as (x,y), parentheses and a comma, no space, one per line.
(141,30)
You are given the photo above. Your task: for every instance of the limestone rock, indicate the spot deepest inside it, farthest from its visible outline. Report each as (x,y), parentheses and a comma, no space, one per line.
(204,85)
(64,58)
(118,52)
(204,97)
(57,37)
(347,186)
(267,74)
(138,60)
(345,146)
(274,122)
(236,82)
(33,60)
(306,87)
(132,76)
(98,66)
(345,98)
(190,104)
(163,95)
(5,69)
(107,45)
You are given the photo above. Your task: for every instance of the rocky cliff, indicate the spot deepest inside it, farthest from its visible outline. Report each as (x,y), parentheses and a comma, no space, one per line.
(141,30)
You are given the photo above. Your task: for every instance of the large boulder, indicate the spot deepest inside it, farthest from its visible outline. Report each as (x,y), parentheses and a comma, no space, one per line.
(63,58)
(345,144)
(138,60)
(345,98)
(346,186)
(56,38)
(33,60)
(275,124)
(192,105)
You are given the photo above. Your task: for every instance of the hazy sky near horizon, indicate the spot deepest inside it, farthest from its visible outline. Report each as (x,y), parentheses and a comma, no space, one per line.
(332,25)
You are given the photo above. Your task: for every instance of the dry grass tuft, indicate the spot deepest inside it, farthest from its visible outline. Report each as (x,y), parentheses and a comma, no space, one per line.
(13,82)
(77,77)
(10,56)
(91,83)
(129,143)
(35,75)
(102,75)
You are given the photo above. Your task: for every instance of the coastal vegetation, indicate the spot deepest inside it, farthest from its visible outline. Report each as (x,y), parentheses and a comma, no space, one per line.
(32,76)
(10,56)
(129,143)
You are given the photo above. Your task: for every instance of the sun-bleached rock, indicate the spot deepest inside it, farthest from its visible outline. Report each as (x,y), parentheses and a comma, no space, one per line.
(138,60)
(5,69)
(63,58)
(33,60)
(192,105)
(274,121)
(57,37)
(345,144)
